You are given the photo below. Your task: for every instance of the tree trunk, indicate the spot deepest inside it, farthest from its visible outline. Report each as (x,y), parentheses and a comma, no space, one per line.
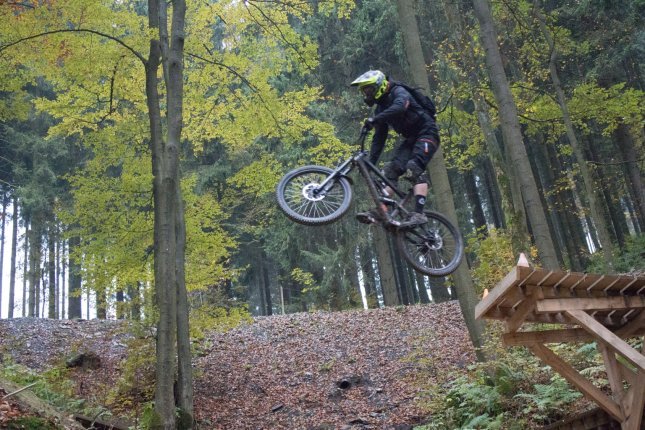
(14,246)
(439,290)
(259,282)
(566,210)
(492,188)
(475,202)
(399,272)
(369,279)
(51,269)
(590,189)
(266,284)
(101,303)
(513,137)
(5,201)
(74,299)
(423,290)
(635,186)
(60,275)
(438,173)
(34,270)
(544,181)
(354,282)
(134,294)
(511,199)
(385,268)
(25,269)
(173,342)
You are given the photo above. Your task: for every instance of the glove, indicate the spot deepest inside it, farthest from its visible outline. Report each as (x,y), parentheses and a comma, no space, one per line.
(369,123)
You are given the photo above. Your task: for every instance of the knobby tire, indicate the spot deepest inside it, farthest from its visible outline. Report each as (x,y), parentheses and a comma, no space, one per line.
(435,248)
(299,203)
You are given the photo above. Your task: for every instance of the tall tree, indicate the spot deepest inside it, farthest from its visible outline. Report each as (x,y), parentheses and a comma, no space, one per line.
(513,138)
(173,339)
(4,196)
(14,246)
(438,172)
(590,189)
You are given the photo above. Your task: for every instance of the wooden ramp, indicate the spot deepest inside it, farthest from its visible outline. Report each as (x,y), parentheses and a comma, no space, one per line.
(607,309)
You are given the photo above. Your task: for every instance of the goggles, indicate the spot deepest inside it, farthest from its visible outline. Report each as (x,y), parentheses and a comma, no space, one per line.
(368,90)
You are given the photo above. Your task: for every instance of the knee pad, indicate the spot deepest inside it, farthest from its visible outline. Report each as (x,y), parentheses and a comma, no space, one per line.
(392,171)
(418,174)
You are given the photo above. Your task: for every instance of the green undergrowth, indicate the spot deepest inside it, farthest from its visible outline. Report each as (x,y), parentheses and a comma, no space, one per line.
(52,386)
(513,390)
(30,423)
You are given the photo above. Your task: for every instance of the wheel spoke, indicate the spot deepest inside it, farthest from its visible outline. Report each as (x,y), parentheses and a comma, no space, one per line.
(434,248)
(297,198)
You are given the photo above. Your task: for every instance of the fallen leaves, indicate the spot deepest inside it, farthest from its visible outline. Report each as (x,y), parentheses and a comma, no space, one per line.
(353,369)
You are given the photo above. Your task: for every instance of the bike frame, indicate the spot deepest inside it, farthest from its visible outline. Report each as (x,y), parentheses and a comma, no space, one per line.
(365,167)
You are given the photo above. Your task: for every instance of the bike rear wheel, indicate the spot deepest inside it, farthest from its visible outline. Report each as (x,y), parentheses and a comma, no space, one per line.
(435,248)
(298,198)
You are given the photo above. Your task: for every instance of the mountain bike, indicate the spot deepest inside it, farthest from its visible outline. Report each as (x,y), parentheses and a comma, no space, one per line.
(318,195)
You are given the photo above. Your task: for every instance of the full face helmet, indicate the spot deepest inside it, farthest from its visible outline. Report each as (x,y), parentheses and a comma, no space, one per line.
(372,84)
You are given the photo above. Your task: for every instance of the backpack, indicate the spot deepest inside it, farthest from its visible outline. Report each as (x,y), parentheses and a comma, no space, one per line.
(426,102)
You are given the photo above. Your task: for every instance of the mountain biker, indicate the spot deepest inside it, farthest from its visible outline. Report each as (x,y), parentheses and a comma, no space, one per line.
(397,108)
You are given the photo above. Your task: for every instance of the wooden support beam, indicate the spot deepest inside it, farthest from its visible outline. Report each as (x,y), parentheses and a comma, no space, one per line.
(591,304)
(546,336)
(612,367)
(635,414)
(608,338)
(572,375)
(521,312)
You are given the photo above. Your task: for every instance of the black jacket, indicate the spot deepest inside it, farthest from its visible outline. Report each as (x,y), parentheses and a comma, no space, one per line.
(399,110)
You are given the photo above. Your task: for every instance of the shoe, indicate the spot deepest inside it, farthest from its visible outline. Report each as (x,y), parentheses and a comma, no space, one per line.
(369,217)
(414,219)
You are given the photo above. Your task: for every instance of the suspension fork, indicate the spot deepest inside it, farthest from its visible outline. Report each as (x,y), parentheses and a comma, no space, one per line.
(342,170)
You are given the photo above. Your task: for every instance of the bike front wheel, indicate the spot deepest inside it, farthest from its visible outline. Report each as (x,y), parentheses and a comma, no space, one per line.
(302,200)
(435,248)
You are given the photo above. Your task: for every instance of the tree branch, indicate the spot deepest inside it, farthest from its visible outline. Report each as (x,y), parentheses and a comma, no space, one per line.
(242,78)
(77,30)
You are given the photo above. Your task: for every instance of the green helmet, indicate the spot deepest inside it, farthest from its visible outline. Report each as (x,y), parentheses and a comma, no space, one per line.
(373,84)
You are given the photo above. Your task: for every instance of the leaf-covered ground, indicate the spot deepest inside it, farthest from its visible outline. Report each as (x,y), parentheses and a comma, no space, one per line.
(322,370)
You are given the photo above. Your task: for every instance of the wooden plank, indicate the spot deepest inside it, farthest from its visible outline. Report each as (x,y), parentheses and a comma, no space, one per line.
(572,375)
(591,304)
(607,337)
(500,289)
(546,336)
(521,338)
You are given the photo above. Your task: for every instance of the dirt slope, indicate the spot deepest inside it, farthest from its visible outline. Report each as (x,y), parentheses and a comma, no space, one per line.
(322,370)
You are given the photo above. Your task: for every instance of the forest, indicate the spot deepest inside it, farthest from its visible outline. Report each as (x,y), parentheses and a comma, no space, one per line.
(141,143)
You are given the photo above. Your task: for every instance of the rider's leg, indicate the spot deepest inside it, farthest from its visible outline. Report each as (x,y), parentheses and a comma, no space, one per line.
(420,194)
(424,149)
(392,170)
(395,168)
